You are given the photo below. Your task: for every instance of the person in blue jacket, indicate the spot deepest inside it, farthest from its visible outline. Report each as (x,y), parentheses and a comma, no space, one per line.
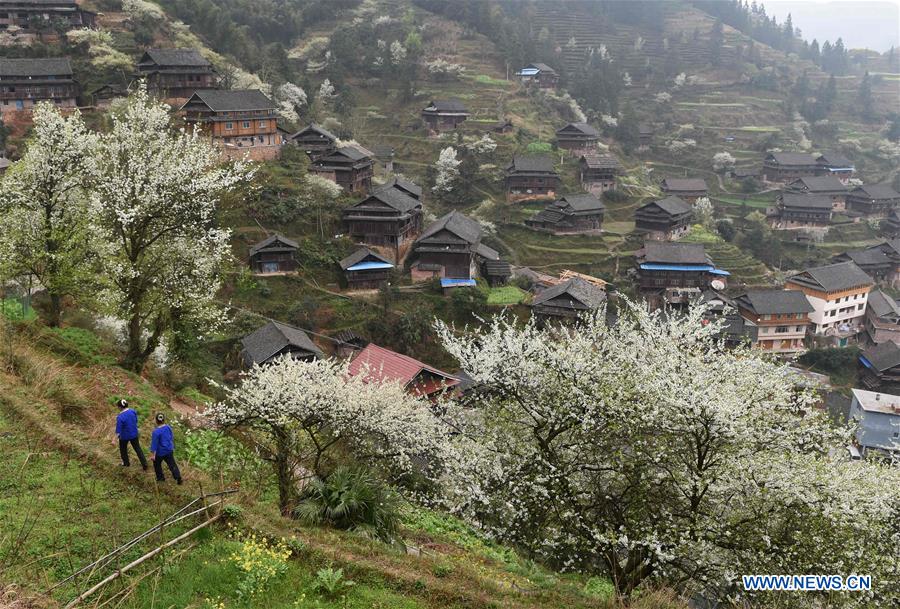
(162,448)
(127,432)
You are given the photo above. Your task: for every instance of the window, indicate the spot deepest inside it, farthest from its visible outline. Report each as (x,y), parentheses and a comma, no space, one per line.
(782,330)
(859,307)
(229,126)
(262,124)
(767,316)
(246,124)
(799,328)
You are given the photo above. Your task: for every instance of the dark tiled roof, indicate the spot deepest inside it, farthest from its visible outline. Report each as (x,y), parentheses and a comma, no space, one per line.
(866,257)
(583,202)
(540,163)
(883,356)
(383,151)
(463,227)
(833,159)
(486,252)
(833,277)
(175,57)
(882,305)
(805,199)
(46,66)
(542,67)
(793,158)
(497,268)
(447,105)
(673,205)
(395,198)
(683,184)
(598,161)
(405,184)
(359,255)
(272,239)
(234,100)
(665,252)
(819,184)
(582,127)
(261,345)
(315,128)
(586,293)
(876,191)
(768,302)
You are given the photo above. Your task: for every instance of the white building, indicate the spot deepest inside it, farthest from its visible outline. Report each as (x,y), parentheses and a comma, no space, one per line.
(839,295)
(878,418)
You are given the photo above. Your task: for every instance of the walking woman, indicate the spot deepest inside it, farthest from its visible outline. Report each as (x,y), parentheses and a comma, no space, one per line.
(162,448)
(127,432)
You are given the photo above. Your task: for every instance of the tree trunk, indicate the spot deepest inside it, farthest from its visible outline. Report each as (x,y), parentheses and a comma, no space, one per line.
(134,359)
(284,473)
(55,310)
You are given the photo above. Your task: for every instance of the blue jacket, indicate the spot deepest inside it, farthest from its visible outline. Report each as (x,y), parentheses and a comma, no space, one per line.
(162,442)
(127,425)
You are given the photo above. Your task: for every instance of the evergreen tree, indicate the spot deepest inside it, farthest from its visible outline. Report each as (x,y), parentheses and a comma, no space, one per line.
(865,98)
(628,130)
(716,40)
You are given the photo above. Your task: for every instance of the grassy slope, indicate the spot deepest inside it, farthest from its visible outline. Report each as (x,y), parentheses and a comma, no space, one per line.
(56,433)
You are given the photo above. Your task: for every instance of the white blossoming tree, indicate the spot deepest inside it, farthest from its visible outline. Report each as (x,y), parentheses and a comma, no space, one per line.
(155,196)
(483,146)
(46,231)
(723,161)
(648,451)
(703,211)
(447,168)
(291,101)
(307,416)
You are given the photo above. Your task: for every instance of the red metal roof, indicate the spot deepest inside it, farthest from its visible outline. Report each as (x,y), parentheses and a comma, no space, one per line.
(386,365)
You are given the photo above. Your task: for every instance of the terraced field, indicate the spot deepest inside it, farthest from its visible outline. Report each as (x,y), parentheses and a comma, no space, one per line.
(745,270)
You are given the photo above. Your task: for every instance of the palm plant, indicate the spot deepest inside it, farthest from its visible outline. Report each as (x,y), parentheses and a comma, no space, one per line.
(351,498)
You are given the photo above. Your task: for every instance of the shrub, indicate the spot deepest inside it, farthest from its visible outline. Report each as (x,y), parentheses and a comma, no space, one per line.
(331,582)
(726,230)
(351,499)
(600,587)
(615,196)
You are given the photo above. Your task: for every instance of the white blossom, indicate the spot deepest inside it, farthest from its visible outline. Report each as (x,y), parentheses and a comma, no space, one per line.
(680,80)
(484,145)
(398,52)
(326,91)
(723,161)
(663,97)
(447,167)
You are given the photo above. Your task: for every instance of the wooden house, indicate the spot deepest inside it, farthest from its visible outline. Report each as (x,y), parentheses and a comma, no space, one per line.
(775,320)
(450,248)
(540,75)
(789,166)
(274,255)
(384,158)
(314,140)
(834,164)
(570,214)
(882,318)
(663,220)
(872,260)
(380,365)
(880,366)
(891,224)
(676,273)
(838,293)
(275,340)
(25,82)
(444,115)
(825,186)
(5,164)
(873,200)
(598,172)
(242,121)
(686,189)
(103,96)
(496,272)
(176,73)
(387,217)
(407,187)
(645,135)
(365,269)
(578,138)
(568,300)
(349,343)
(44,15)
(801,210)
(531,177)
(349,167)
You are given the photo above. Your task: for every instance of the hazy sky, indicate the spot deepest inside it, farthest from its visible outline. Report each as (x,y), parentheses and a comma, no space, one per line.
(872,24)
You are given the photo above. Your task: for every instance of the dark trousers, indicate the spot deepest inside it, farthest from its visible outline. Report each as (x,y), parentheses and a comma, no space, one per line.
(136,445)
(173,467)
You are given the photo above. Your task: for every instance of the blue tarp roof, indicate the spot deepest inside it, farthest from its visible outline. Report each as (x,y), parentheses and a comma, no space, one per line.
(447,282)
(650,266)
(370,266)
(866,362)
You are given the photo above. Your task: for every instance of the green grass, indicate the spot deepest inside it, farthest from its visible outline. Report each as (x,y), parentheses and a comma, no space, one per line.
(506,295)
(484,79)
(14,310)
(79,343)
(711,105)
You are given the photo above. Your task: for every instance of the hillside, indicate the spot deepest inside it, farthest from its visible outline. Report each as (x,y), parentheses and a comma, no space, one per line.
(56,427)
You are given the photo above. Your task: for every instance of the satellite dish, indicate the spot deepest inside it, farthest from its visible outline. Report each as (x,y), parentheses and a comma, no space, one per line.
(717,284)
